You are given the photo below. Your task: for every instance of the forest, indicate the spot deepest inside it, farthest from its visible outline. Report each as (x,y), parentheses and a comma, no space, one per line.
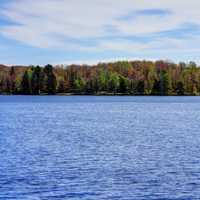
(117,78)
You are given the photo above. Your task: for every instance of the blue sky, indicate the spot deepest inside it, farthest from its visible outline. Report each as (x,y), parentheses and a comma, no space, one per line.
(89,31)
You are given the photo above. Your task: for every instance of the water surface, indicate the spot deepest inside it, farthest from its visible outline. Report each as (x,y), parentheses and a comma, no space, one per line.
(96,148)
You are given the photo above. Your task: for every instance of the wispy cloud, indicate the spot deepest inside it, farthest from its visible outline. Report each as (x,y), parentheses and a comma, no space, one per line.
(147,12)
(102,25)
(156,12)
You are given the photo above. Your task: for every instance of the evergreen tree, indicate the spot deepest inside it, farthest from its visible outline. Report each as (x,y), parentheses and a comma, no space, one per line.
(36,80)
(165,83)
(51,82)
(26,84)
(123,84)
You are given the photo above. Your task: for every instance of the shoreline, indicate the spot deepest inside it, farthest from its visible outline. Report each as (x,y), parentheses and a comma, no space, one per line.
(101,94)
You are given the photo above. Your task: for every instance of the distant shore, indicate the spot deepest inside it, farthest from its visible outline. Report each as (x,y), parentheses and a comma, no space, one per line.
(97,94)
(134,78)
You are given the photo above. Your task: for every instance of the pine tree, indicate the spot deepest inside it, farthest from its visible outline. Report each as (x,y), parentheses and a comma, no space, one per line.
(36,80)
(51,82)
(26,84)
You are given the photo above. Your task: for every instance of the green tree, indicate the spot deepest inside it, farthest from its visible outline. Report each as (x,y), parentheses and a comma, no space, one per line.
(102,81)
(51,82)
(114,82)
(26,84)
(36,80)
(123,84)
(165,83)
(80,84)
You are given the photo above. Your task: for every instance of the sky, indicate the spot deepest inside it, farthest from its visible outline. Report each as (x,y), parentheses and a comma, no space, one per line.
(90,31)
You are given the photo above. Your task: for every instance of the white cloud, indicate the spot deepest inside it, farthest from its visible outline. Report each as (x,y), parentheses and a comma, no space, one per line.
(47,23)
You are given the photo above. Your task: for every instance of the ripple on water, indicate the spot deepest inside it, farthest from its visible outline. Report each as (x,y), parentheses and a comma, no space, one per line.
(99,148)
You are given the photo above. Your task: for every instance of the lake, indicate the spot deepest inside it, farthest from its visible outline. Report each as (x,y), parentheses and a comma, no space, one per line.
(96,148)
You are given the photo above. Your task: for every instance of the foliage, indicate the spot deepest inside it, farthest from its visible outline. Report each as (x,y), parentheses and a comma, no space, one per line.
(134,78)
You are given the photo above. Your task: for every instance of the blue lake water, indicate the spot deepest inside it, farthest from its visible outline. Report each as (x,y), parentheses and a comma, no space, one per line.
(96,148)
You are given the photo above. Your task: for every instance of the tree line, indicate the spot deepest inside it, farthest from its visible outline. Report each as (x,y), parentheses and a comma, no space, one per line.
(129,78)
